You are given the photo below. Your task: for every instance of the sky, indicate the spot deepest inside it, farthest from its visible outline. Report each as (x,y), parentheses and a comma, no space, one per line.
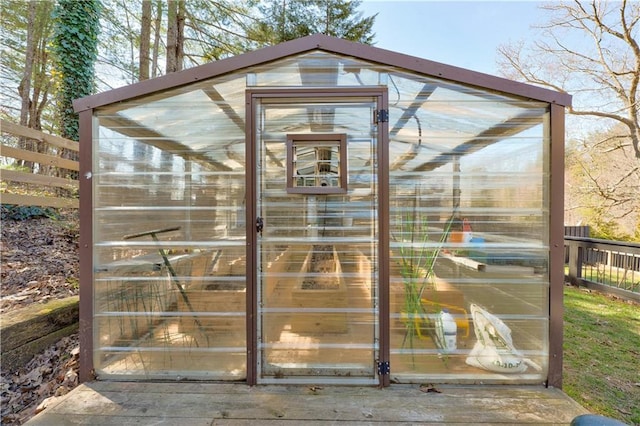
(460,33)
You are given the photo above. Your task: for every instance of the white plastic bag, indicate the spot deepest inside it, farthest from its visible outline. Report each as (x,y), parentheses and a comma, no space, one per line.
(446,332)
(494,350)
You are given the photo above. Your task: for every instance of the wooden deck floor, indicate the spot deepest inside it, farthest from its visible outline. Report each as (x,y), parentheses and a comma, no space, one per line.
(194,404)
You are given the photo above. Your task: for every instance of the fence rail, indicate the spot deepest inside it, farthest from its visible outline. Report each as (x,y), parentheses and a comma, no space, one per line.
(44,160)
(609,266)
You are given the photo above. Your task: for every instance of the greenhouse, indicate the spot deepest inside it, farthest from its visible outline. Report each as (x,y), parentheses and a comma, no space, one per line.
(323,212)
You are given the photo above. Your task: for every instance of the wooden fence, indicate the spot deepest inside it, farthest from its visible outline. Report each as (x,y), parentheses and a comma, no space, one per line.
(44,160)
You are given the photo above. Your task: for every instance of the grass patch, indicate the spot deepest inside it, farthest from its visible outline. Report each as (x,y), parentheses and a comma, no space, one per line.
(602,354)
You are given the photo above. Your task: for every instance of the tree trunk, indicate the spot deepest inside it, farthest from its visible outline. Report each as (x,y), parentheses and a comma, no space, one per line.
(41,86)
(25,84)
(635,141)
(145,40)
(175,35)
(172,36)
(180,36)
(156,39)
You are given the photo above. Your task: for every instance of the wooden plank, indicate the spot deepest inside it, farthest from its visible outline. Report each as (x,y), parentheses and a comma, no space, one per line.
(8,151)
(29,323)
(14,359)
(464,261)
(36,336)
(18,130)
(118,403)
(27,331)
(16,176)
(490,269)
(506,269)
(223,302)
(32,200)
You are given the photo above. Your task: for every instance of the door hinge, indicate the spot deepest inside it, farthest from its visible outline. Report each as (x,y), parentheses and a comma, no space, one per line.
(383,368)
(382,116)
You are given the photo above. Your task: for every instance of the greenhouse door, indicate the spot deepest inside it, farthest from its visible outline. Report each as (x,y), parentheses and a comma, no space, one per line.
(314,158)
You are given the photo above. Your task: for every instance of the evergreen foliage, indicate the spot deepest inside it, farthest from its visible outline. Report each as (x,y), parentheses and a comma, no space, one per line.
(13,212)
(288,20)
(75,46)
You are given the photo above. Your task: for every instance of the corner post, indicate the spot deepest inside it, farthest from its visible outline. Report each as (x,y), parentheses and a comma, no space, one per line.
(556,245)
(86,246)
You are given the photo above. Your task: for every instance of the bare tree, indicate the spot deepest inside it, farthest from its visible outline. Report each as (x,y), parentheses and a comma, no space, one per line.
(588,49)
(602,179)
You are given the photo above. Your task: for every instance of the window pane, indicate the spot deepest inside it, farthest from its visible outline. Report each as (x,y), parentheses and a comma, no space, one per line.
(316,163)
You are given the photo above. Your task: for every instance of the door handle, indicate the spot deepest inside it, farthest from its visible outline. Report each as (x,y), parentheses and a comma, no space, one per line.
(259,225)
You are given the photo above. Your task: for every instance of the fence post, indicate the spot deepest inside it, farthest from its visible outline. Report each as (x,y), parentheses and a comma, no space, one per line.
(575,263)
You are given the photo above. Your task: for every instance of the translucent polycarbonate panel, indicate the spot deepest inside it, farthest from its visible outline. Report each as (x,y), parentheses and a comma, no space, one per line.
(469,226)
(317,253)
(317,69)
(204,121)
(169,240)
(417,360)
(317,312)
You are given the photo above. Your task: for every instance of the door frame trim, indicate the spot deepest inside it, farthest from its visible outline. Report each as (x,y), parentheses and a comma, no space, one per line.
(251,97)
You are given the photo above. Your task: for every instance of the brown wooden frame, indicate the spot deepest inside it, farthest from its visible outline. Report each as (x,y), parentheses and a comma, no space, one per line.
(556,245)
(86,371)
(381,94)
(294,140)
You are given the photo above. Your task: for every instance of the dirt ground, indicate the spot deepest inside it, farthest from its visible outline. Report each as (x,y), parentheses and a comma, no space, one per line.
(39,263)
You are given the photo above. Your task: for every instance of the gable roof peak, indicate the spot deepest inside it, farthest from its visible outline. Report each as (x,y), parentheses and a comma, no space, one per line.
(329,44)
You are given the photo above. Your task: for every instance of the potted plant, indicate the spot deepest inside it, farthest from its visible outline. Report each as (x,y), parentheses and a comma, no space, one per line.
(418,255)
